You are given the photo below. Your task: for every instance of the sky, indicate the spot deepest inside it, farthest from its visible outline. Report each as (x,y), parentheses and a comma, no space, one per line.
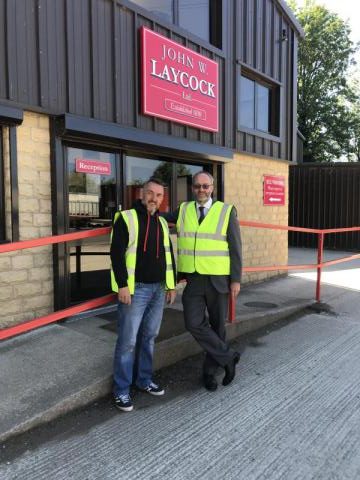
(347,10)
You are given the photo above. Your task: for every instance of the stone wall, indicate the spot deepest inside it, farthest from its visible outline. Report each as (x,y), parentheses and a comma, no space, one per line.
(26,276)
(244,188)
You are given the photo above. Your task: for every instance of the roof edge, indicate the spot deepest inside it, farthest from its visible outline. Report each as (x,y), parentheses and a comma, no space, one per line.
(291,16)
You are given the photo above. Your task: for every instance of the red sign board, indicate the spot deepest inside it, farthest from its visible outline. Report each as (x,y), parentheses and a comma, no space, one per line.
(274,190)
(178,84)
(83,165)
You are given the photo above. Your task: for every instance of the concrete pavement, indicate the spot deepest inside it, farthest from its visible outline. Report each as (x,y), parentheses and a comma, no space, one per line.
(61,367)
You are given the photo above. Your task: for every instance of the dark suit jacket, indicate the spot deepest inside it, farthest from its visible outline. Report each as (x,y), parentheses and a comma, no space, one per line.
(222,282)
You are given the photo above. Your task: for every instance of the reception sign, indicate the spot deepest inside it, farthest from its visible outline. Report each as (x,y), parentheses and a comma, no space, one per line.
(274,190)
(178,84)
(83,165)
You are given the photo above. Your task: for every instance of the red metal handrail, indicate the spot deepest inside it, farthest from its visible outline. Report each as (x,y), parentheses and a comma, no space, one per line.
(59,315)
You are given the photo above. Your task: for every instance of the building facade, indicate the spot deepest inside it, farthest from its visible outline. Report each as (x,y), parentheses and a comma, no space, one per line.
(98,95)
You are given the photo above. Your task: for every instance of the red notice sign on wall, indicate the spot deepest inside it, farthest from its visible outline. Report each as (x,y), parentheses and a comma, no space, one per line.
(83,165)
(274,190)
(177,83)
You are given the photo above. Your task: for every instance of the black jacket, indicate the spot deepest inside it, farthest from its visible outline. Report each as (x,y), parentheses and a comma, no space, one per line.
(150,256)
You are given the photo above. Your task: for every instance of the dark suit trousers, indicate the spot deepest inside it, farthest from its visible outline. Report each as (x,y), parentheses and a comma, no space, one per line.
(200,295)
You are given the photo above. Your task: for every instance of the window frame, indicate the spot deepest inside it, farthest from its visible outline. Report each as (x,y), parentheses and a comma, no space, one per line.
(274,105)
(10,118)
(2,189)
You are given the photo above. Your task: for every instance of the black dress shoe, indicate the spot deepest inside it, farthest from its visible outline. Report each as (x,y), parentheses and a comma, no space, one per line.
(230,369)
(210,383)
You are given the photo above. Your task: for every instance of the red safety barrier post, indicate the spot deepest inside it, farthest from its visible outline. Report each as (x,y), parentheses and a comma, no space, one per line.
(319,267)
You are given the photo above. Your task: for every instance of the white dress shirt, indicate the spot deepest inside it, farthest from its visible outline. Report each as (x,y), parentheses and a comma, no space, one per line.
(206,206)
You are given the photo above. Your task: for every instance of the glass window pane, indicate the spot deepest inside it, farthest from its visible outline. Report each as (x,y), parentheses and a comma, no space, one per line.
(162,8)
(92,187)
(262,107)
(247,103)
(92,203)
(195,17)
(140,169)
(184,174)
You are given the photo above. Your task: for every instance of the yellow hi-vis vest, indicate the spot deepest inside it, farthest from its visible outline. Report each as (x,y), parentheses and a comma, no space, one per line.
(131,219)
(203,248)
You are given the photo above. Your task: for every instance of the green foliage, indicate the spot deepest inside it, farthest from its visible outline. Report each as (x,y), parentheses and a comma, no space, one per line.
(324,96)
(164,171)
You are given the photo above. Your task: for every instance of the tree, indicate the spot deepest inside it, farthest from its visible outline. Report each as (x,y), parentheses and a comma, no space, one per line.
(324,96)
(354,145)
(164,171)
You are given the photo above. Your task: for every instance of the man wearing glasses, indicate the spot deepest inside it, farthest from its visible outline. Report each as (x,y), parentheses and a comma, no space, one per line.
(209,258)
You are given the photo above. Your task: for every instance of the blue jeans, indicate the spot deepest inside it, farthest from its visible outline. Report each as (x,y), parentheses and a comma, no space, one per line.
(138,326)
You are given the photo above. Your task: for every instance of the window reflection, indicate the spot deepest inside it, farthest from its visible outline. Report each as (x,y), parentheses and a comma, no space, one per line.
(92,188)
(194,16)
(262,108)
(162,8)
(138,171)
(184,174)
(247,102)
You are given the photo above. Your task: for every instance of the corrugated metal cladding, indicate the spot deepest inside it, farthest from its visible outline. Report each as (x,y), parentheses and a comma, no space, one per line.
(82,57)
(325,196)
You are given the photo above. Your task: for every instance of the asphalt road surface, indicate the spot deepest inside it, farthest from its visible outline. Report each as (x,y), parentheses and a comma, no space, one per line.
(292,412)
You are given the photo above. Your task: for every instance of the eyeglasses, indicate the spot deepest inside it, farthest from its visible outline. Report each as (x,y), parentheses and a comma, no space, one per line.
(204,186)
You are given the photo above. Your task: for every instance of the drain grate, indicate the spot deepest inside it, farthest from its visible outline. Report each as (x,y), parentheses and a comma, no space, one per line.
(260,305)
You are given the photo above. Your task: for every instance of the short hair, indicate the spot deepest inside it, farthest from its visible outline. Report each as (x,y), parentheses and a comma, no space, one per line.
(154,180)
(201,172)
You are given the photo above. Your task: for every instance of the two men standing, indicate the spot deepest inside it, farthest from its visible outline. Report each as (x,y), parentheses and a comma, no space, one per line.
(209,258)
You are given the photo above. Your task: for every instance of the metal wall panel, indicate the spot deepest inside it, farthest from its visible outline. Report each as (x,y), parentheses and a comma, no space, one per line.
(3,56)
(82,57)
(52,52)
(102,59)
(325,196)
(79,68)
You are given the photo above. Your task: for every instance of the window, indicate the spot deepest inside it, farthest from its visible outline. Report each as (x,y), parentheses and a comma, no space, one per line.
(92,188)
(163,8)
(202,17)
(195,17)
(258,105)
(177,176)
(138,171)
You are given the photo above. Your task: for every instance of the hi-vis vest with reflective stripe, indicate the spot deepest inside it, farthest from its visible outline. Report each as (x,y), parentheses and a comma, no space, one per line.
(203,248)
(131,219)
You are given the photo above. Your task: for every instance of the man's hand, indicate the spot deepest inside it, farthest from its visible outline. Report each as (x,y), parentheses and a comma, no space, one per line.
(234,289)
(170,296)
(124,295)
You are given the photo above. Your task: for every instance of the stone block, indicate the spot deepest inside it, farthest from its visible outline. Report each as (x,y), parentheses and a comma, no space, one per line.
(38,274)
(22,261)
(26,289)
(5,262)
(45,206)
(42,220)
(40,135)
(30,205)
(30,120)
(10,277)
(38,302)
(6,292)
(27,233)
